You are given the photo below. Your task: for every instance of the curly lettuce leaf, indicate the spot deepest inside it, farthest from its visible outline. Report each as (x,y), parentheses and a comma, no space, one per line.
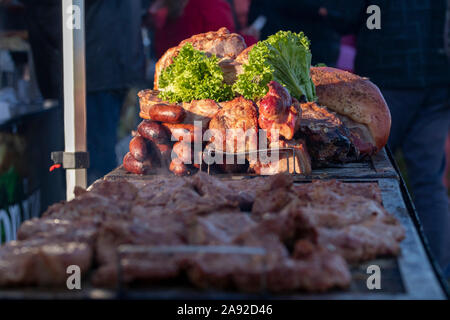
(193,76)
(284,57)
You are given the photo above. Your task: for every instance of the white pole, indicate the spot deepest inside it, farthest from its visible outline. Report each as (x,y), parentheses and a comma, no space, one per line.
(74,88)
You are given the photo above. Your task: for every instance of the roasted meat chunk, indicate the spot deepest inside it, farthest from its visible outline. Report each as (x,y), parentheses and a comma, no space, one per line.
(41,262)
(83,230)
(235,127)
(279,113)
(219,228)
(222,43)
(327,138)
(357,227)
(201,111)
(286,156)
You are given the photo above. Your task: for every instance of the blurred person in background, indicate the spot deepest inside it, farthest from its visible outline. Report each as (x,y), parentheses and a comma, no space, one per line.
(239,9)
(309,16)
(176,20)
(114,63)
(406,59)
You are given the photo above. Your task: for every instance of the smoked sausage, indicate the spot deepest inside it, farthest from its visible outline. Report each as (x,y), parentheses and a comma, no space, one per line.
(138,148)
(167,113)
(153,131)
(130,164)
(184,132)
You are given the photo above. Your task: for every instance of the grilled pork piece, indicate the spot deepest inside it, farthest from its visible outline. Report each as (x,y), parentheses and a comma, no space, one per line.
(279,111)
(219,228)
(319,271)
(147,99)
(41,262)
(84,230)
(146,230)
(200,110)
(105,200)
(237,119)
(327,138)
(355,226)
(275,195)
(222,43)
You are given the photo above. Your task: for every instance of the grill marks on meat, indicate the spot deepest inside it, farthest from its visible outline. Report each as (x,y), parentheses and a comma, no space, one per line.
(327,138)
(309,232)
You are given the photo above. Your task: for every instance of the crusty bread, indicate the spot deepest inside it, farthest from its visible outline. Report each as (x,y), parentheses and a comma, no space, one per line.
(355,97)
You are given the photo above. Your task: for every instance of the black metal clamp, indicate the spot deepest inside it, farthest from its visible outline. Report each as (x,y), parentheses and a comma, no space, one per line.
(71,160)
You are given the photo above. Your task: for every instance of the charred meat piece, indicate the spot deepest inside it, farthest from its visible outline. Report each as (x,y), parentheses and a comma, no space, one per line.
(327,138)
(235,127)
(278,112)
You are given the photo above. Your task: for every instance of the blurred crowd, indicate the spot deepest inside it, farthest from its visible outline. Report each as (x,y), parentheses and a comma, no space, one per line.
(408,58)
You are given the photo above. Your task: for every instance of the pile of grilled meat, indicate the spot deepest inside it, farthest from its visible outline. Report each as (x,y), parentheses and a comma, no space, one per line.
(303,236)
(349,122)
(316,136)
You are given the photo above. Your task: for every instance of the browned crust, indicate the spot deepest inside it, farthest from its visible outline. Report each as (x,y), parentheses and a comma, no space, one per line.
(355,97)
(242,58)
(165,61)
(202,42)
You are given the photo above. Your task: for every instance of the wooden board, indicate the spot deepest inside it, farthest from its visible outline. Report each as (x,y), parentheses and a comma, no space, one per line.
(377,167)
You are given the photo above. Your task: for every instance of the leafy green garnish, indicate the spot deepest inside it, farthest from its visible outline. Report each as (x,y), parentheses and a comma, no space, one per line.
(284,57)
(193,76)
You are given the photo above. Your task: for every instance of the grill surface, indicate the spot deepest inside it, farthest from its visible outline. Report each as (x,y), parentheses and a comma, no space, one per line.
(409,276)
